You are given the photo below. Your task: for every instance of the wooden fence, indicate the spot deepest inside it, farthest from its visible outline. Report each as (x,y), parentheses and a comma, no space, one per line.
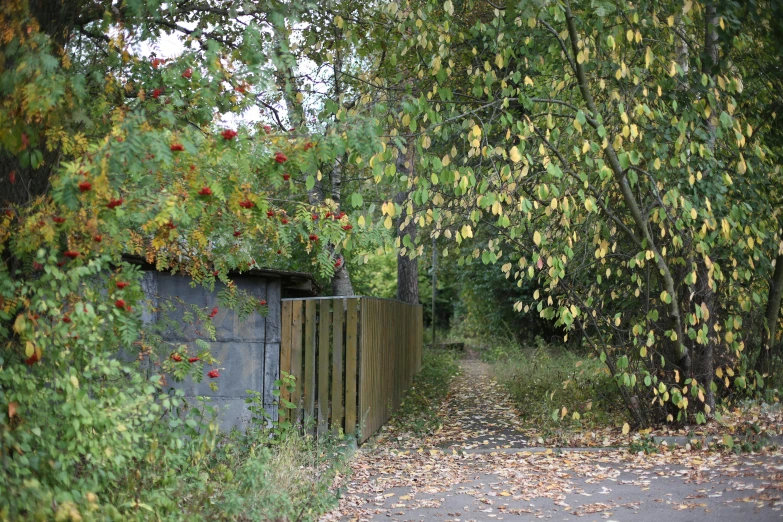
(353,359)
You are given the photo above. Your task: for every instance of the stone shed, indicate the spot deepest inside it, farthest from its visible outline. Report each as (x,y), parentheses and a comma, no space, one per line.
(248,351)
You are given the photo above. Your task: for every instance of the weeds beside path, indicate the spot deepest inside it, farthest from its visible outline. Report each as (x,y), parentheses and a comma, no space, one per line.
(478,467)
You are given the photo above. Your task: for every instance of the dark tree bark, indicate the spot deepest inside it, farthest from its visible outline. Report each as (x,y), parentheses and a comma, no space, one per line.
(772,316)
(407,268)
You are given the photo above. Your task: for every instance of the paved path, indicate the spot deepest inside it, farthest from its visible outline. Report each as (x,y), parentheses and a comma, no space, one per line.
(479,467)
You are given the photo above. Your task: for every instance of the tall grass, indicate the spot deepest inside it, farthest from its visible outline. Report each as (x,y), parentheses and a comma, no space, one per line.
(544,379)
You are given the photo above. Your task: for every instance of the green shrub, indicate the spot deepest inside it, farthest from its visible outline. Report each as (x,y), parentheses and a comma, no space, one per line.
(544,379)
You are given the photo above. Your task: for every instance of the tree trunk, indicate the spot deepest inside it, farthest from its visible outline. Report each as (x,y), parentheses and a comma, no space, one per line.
(704,363)
(407,267)
(772,316)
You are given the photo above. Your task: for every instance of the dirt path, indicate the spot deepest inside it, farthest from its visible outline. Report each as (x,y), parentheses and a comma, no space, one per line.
(479,466)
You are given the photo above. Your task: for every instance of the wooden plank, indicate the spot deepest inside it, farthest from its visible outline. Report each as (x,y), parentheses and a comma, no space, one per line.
(285,343)
(309,357)
(338,315)
(324,325)
(351,339)
(297,357)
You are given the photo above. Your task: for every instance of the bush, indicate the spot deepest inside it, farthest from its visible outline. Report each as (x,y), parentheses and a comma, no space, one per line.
(543,379)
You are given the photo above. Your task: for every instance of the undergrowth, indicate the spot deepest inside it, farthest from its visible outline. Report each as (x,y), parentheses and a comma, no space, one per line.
(419,408)
(554,388)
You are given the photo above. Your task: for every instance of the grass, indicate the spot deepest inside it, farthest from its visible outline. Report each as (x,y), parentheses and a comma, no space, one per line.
(419,408)
(554,388)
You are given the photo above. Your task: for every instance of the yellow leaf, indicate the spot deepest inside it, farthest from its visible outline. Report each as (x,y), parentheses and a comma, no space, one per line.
(505,494)
(29,349)
(75,382)
(387,223)
(626,428)
(643,351)
(19,324)
(476,130)
(589,205)
(514,154)
(537,238)
(563,412)
(499,61)
(361,221)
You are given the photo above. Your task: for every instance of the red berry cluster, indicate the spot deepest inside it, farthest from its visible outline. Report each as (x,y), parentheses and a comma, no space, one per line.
(85,186)
(213,313)
(121,284)
(262,302)
(59,220)
(71,253)
(191,360)
(286,176)
(309,145)
(229,134)
(114,203)
(206,191)
(187,73)
(347,227)
(213,374)
(313,237)
(247,204)
(176,357)
(177,147)
(280,157)
(156,93)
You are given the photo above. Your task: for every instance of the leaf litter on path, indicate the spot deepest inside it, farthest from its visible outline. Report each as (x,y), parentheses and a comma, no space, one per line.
(478,467)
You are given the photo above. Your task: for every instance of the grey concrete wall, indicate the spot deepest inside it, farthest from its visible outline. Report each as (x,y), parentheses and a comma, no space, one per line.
(248,350)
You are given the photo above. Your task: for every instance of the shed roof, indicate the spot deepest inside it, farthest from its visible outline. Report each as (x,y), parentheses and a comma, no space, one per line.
(293,284)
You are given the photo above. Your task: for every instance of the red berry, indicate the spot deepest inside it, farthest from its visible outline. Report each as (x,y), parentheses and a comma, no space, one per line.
(176,357)
(237,233)
(62,262)
(66,319)
(71,253)
(215,273)
(191,360)
(156,93)
(228,134)
(247,204)
(315,216)
(309,145)
(156,62)
(280,157)
(214,374)
(213,313)
(267,129)
(341,215)
(114,203)
(177,147)
(270,213)
(84,186)
(32,359)
(121,284)
(97,238)
(337,263)
(286,176)
(284,221)
(279,251)
(37,266)
(313,237)
(328,215)
(119,303)
(170,225)
(12,177)
(262,302)
(206,191)
(59,220)
(347,227)
(187,73)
